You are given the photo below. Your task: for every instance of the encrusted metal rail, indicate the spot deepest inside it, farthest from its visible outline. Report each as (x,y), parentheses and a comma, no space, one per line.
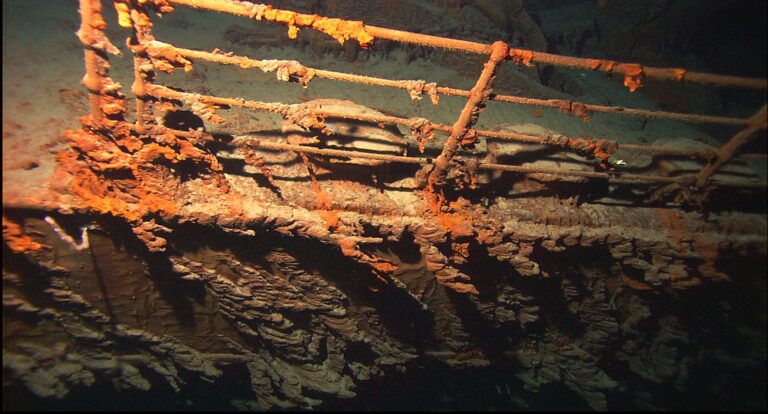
(151,54)
(168,57)
(324,275)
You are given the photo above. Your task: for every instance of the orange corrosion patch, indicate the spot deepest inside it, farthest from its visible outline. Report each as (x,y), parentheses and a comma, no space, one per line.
(384,266)
(674,226)
(339,29)
(350,249)
(680,74)
(434,198)
(458,224)
(143,182)
(14,237)
(604,65)
(633,76)
(520,55)
(330,217)
(123,15)
(324,200)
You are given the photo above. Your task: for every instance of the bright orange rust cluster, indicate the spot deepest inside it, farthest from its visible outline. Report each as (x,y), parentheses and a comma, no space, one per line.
(16,240)
(339,29)
(521,56)
(602,64)
(633,76)
(633,72)
(680,74)
(138,185)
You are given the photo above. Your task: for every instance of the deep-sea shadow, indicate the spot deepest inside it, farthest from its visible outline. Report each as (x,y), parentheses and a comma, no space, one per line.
(393,305)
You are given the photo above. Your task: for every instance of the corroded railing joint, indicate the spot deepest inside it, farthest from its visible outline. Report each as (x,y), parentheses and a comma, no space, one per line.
(468,117)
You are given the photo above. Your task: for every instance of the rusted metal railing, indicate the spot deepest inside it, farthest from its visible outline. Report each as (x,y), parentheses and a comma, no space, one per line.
(250,10)
(150,54)
(245,62)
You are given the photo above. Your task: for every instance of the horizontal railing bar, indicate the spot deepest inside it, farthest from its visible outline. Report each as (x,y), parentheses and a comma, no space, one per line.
(243,61)
(668,74)
(249,140)
(259,143)
(245,9)
(164,92)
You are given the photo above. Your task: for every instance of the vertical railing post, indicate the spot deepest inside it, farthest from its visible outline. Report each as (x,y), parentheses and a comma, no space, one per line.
(732,148)
(134,16)
(468,117)
(104,96)
(91,23)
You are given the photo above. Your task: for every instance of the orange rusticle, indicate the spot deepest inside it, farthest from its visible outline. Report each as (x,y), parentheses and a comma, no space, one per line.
(339,29)
(165,57)
(633,76)
(146,185)
(434,198)
(521,55)
(16,240)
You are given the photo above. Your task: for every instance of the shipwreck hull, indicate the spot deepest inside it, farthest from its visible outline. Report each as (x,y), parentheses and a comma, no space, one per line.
(174,260)
(602,304)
